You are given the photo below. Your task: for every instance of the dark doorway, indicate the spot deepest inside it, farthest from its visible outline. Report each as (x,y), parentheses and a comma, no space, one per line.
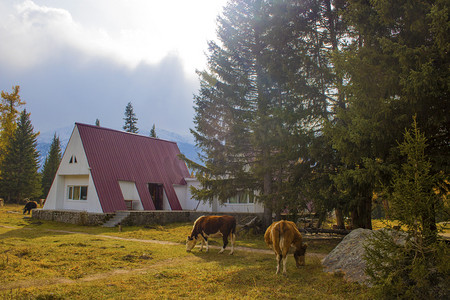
(156,192)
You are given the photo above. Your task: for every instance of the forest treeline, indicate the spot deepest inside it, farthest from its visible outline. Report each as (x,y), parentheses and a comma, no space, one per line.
(20,177)
(307,102)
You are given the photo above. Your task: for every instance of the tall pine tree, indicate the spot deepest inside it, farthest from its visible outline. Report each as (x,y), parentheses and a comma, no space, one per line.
(9,113)
(395,67)
(249,123)
(153,132)
(130,119)
(51,165)
(20,178)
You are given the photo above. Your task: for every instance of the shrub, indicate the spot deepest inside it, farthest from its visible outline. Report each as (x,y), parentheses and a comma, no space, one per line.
(413,264)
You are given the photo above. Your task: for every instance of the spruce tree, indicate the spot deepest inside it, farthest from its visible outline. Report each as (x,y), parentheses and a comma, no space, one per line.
(9,113)
(153,132)
(51,165)
(249,123)
(414,264)
(395,67)
(20,177)
(130,119)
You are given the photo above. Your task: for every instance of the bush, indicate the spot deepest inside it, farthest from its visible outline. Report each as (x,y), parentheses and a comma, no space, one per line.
(399,268)
(412,264)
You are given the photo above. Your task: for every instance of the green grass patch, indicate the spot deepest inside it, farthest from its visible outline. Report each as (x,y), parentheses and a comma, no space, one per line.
(86,262)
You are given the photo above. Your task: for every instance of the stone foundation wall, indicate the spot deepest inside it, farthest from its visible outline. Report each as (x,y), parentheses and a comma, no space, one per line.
(136,218)
(71,217)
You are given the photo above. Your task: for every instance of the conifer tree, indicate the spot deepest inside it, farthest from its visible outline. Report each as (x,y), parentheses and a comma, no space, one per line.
(20,177)
(249,123)
(9,113)
(153,132)
(395,67)
(414,264)
(130,119)
(51,165)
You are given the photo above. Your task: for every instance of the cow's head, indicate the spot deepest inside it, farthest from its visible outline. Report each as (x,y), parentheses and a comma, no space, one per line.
(190,243)
(299,255)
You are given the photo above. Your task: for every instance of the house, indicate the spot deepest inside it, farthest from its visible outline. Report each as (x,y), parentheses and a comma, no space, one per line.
(104,171)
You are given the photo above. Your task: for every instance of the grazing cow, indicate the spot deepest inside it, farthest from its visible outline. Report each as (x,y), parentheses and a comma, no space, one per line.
(280,236)
(29,206)
(212,226)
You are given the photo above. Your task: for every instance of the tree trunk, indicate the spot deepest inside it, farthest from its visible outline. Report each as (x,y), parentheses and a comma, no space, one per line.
(361,214)
(339,218)
(268,205)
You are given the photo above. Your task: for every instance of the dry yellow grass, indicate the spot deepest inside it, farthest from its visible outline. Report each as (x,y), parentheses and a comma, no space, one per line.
(79,262)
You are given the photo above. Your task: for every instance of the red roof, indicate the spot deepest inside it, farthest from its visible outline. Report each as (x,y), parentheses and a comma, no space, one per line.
(115,156)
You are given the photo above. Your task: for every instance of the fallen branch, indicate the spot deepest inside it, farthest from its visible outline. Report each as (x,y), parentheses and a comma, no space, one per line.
(321,230)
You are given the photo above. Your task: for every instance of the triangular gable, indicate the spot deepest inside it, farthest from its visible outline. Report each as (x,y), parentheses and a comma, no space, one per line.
(115,156)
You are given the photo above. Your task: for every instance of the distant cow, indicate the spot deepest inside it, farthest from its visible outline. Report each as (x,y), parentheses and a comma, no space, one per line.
(280,236)
(212,226)
(29,206)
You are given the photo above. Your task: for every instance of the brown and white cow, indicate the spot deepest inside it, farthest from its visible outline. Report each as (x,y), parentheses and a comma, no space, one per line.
(212,226)
(280,236)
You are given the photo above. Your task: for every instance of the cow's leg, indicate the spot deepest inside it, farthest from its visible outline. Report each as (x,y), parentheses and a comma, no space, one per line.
(233,239)
(225,243)
(284,254)
(284,264)
(202,243)
(278,257)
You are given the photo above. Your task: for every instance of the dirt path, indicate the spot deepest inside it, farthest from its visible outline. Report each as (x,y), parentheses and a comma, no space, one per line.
(154,267)
(237,248)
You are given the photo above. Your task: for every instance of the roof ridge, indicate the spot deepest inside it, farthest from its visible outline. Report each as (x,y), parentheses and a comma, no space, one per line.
(122,132)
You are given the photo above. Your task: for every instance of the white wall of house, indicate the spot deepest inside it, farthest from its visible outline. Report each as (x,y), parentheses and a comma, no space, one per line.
(129,192)
(73,171)
(166,204)
(189,203)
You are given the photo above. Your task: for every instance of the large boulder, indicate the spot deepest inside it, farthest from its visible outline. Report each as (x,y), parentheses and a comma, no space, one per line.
(347,257)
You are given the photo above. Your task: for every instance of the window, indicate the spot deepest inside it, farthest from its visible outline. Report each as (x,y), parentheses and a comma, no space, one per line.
(76,192)
(241,198)
(73,159)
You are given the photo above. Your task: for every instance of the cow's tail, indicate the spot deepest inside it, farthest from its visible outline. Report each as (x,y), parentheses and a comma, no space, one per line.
(233,232)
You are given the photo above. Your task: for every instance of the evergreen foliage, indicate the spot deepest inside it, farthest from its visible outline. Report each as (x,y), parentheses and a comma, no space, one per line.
(303,101)
(252,127)
(20,178)
(414,264)
(153,132)
(51,165)
(8,109)
(130,119)
(394,67)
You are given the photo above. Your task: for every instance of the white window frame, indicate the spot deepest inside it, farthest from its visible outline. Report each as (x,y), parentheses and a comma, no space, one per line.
(71,191)
(242,198)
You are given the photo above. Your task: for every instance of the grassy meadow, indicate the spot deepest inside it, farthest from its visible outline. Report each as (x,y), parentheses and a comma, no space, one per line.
(48,260)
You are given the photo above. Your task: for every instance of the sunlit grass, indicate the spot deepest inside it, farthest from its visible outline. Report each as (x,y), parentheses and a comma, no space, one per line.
(36,262)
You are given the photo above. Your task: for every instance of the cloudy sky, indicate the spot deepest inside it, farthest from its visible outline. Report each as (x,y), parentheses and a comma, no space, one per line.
(77,61)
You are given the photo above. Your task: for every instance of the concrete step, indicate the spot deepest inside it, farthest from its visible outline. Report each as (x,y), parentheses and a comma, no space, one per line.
(119,217)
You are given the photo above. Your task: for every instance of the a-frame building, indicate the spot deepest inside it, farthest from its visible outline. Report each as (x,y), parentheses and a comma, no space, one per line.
(104,170)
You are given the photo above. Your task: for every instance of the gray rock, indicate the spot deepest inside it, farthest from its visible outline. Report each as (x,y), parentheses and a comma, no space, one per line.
(347,257)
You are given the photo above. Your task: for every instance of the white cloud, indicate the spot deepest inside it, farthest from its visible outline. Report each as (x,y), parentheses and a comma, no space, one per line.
(127,32)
